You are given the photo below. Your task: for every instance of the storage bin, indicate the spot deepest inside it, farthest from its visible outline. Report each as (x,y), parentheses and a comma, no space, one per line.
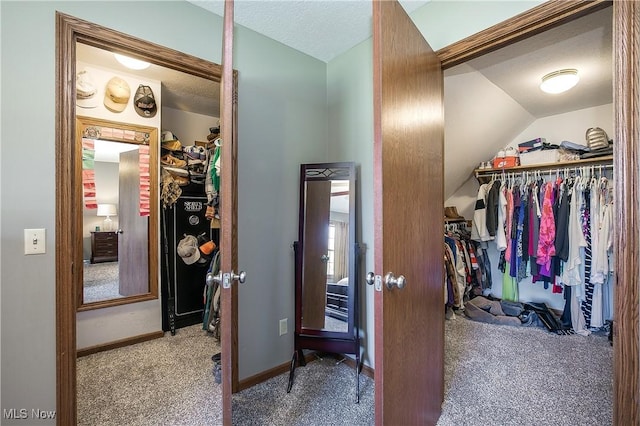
(539,157)
(505,162)
(532,145)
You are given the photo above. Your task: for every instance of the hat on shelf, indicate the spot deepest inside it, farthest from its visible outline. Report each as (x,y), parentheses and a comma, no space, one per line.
(144,102)
(451,212)
(214,132)
(188,249)
(117,94)
(85,90)
(170,141)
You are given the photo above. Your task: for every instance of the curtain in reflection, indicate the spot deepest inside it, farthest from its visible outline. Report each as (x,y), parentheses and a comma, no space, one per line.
(341,251)
(89,174)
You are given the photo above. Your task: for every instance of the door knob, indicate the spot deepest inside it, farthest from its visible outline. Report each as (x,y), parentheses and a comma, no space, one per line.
(119,231)
(374,280)
(228,278)
(324,258)
(241,277)
(391,281)
(371,277)
(213,278)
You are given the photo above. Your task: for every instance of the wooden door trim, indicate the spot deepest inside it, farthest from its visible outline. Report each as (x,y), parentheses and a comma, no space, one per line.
(626,98)
(526,24)
(626,164)
(70,30)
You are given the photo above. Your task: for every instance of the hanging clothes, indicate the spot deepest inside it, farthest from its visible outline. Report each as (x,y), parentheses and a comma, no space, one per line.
(546,247)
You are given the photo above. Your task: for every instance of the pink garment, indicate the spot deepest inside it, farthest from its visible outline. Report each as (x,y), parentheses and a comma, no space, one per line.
(509,219)
(546,241)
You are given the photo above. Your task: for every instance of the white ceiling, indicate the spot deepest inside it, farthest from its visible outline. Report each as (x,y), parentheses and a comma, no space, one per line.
(322,29)
(584,44)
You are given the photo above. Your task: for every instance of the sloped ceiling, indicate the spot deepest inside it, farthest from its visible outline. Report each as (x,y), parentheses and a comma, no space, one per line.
(491,99)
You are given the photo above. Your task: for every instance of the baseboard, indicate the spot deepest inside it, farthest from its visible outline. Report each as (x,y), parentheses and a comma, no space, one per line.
(268,374)
(364,369)
(283,368)
(119,343)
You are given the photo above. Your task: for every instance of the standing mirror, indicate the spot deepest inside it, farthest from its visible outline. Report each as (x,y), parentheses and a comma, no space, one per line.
(118,187)
(325,264)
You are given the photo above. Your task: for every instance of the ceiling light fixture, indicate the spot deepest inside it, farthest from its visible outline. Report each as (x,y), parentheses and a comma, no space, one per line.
(134,64)
(559,81)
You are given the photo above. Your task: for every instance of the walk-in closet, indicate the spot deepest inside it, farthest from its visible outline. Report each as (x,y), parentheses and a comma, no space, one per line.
(529,232)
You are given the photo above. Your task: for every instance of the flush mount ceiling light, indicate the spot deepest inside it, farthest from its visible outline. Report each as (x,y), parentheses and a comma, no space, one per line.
(134,64)
(559,81)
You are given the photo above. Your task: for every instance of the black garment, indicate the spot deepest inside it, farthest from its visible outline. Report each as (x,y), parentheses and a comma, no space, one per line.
(493,198)
(566,313)
(562,227)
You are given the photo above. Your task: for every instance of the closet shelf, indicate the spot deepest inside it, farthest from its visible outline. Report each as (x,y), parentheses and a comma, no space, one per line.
(481,174)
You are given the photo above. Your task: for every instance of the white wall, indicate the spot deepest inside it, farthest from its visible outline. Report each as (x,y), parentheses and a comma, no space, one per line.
(478,123)
(188,127)
(101,76)
(570,126)
(556,128)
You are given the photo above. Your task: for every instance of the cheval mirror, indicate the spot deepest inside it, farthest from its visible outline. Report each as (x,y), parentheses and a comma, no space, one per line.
(326,254)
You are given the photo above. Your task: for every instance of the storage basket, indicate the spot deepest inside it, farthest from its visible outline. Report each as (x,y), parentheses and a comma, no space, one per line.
(543,156)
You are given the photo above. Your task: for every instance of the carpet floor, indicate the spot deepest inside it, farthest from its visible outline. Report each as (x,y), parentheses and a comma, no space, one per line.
(100,281)
(494,375)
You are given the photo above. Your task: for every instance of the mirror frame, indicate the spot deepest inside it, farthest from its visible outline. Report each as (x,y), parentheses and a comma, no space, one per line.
(327,172)
(151,139)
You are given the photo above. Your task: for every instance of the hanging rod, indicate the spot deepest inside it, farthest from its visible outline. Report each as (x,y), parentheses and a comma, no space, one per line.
(605,162)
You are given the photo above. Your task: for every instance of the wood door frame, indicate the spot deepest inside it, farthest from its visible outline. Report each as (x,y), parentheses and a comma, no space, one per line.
(626,18)
(70,30)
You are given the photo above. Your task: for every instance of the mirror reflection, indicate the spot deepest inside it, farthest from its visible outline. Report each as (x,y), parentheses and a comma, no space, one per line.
(116,186)
(326,256)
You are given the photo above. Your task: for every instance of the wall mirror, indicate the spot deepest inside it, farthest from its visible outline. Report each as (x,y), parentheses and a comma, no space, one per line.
(326,258)
(119,250)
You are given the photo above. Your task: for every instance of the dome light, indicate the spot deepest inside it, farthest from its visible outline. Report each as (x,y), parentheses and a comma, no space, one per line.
(559,81)
(134,64)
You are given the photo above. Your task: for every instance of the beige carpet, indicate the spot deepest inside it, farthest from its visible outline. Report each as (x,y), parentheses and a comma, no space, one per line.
(494,375)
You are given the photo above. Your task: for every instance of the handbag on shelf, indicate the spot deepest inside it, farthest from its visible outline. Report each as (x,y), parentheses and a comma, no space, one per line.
(596,139)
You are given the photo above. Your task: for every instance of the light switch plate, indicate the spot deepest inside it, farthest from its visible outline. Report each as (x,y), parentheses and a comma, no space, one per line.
(283,326)
(34,241)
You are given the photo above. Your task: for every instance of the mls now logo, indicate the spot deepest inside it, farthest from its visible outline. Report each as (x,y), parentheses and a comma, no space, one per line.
(23,413)
(15,413)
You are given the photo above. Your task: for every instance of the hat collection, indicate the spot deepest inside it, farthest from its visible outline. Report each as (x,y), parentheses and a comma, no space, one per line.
(117,95)
(197,164)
